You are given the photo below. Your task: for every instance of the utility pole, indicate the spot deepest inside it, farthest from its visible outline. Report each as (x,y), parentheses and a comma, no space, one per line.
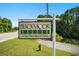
(47,9)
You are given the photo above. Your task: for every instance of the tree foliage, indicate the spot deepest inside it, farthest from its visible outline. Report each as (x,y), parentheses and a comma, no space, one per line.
(68,26)
(5,25)
(44,16)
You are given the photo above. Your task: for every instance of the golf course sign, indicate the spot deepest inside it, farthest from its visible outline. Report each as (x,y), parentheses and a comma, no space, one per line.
(34,30)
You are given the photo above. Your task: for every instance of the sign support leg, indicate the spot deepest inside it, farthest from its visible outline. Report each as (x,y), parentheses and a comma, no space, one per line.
(54,35)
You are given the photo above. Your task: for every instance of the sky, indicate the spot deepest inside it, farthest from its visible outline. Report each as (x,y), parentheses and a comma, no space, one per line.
(15,11)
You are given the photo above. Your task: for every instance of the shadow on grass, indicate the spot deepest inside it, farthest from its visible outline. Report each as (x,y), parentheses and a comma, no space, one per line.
(71,41)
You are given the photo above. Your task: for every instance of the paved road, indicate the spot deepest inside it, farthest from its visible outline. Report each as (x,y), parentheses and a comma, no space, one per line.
(62,46)
(7,36)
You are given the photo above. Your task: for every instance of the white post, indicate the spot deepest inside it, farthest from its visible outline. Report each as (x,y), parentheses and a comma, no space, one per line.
(54,35)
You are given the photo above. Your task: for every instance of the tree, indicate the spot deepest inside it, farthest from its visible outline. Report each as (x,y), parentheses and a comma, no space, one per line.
(57,16)
(68,26)
(44,16)
(15,28)
(1,27)
(40,16)
(5,25)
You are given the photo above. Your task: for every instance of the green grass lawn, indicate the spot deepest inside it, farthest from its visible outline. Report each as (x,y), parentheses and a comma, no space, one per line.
(26,47)
(63,53)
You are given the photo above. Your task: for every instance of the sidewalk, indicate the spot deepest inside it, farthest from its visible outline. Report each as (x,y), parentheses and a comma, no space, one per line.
(61,46)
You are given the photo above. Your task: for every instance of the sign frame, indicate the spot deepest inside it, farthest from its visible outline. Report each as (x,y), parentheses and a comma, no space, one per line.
(35,37)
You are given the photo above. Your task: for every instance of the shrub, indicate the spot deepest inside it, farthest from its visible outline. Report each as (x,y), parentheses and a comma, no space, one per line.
(59,38)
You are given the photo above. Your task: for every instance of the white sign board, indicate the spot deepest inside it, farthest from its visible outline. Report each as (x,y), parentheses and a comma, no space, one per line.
(34,30)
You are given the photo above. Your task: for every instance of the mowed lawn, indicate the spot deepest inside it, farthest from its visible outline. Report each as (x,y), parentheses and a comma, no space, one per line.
(27,47)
